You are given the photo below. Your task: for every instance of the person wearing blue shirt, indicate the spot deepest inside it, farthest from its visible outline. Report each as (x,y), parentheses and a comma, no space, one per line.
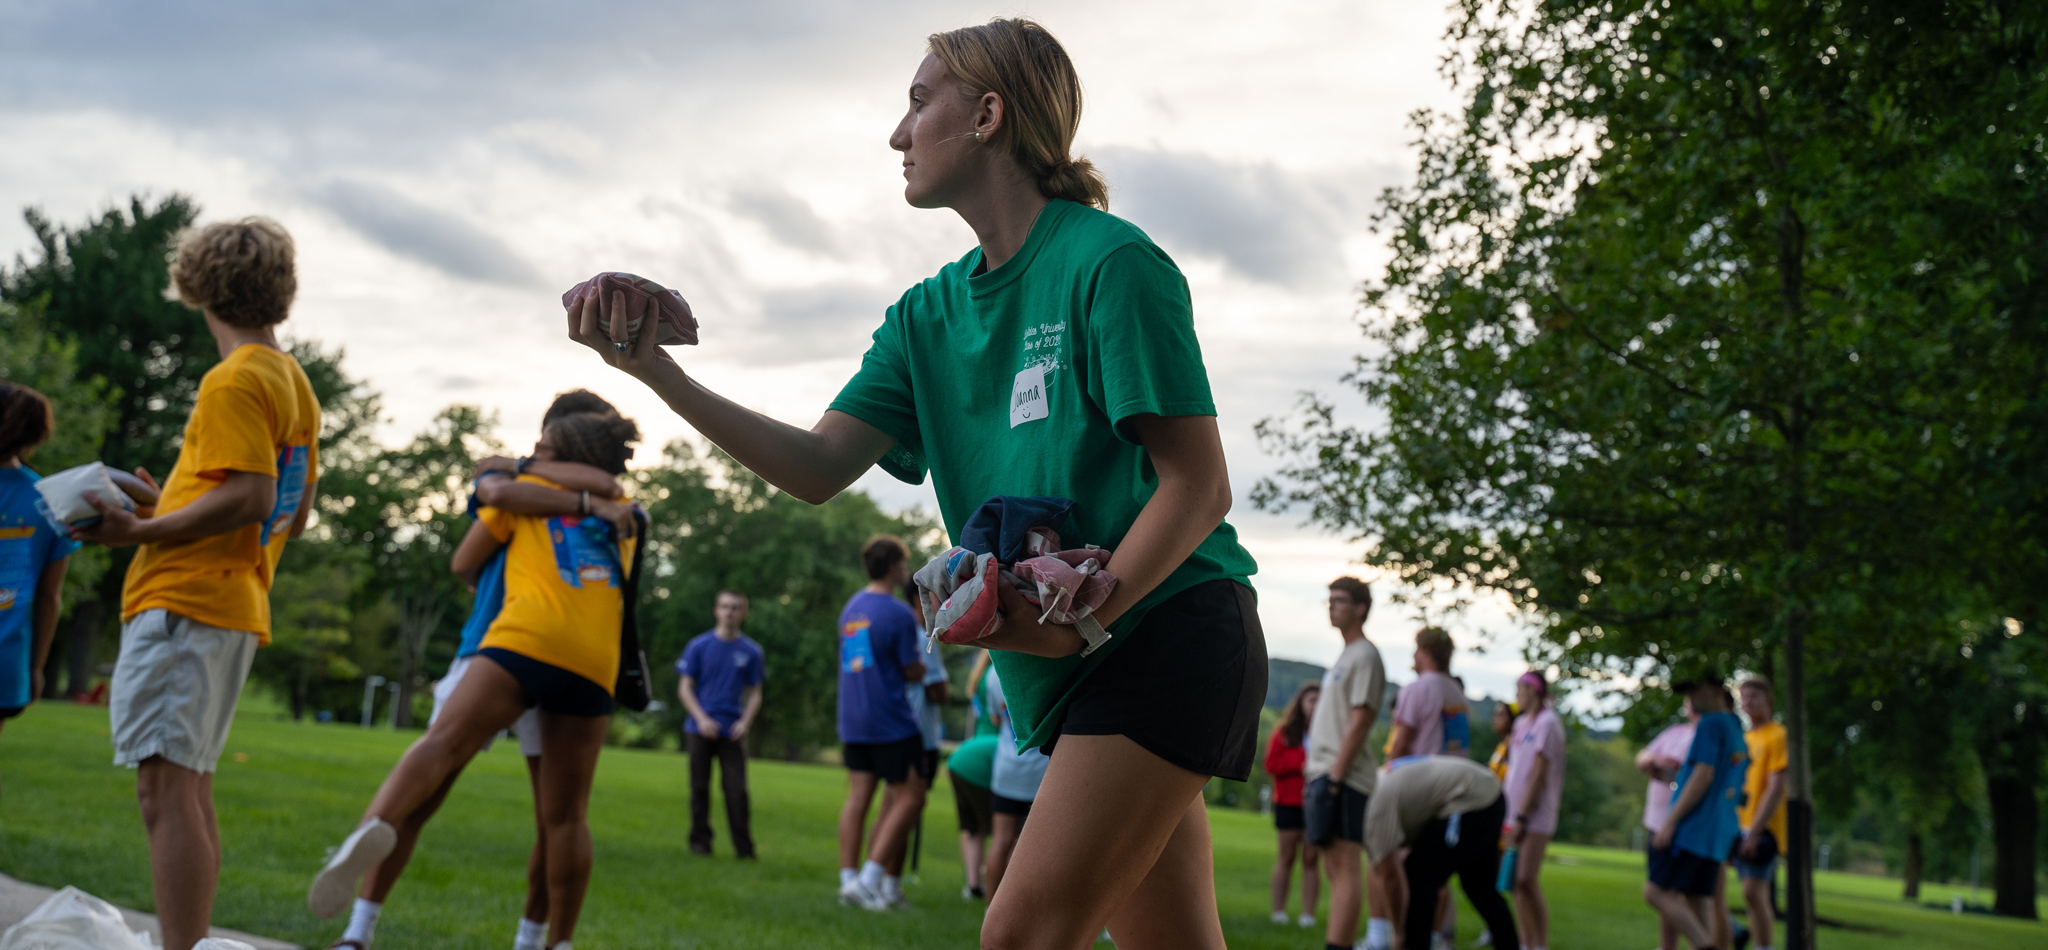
(879,656)
(1687,852)
(33,554)
(721,672)
(494,486)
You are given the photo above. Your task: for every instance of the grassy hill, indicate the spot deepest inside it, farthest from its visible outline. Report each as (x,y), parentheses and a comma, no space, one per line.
(287,791)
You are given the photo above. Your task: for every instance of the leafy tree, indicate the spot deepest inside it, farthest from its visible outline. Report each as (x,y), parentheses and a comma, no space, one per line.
(103,286)
(716,526)
(1689,330)
(311,612)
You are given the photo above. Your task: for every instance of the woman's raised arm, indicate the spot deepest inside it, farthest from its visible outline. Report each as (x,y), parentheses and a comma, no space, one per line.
(813,465)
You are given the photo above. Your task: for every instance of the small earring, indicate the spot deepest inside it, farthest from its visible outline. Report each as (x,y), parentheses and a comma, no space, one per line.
(977,136)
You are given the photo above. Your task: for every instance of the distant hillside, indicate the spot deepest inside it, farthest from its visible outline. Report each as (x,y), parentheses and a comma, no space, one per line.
(1283,677)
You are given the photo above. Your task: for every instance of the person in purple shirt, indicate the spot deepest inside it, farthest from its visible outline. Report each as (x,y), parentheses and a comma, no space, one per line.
(722,670)
(879,652)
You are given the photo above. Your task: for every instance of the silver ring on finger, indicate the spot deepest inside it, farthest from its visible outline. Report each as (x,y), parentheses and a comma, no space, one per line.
(621,347)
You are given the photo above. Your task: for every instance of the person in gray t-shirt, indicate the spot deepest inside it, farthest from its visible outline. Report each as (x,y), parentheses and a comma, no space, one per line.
(1446,812)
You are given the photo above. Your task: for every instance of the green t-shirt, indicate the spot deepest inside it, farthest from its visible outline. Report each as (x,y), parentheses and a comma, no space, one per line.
(975,761)
(1018,381)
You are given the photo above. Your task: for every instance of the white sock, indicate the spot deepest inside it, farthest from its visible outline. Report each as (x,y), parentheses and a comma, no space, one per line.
(533,935)
(1379,932)
(871,875)
(362,921)
(848,876)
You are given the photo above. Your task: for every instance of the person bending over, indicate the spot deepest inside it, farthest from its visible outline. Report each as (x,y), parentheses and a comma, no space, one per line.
(1441,815)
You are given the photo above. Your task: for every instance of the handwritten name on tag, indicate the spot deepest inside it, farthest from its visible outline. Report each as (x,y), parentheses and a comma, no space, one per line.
(1027,396)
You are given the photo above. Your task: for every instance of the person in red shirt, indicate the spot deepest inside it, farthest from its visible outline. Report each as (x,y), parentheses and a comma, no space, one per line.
(1285,756)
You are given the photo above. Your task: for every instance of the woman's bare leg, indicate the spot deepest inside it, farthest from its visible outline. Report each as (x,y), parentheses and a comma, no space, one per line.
(1175,905)
(568,765)
(853,816)
(378,882)
(972,848)
(1288,846)
(1105,813)
(1532,912)
(537,862)
(1001,845)
(486,701)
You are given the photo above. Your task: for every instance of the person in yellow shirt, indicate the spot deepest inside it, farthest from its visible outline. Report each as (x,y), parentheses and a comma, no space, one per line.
(196,601)
(554,646)
(1763,809)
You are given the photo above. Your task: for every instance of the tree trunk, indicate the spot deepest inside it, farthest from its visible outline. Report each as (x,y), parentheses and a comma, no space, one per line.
(85,624)
(1912,869)
(1799,909)
(415,627)
(2015,826)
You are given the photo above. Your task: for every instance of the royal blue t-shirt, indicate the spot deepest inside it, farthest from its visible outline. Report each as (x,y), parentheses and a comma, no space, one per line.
(27,545)
(1711,828)
(723,672)
(490,594)
(877,639)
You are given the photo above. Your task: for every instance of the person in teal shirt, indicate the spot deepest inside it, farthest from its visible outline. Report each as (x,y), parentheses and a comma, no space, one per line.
(33,553)
(1058,357)
(1687,853)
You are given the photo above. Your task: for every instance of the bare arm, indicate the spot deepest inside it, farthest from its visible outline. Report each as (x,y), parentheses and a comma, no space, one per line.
(474,552)
(527,498)
(1539,774)
(241,499)
(686,690)
(1355,733)
(1774,795)
(748,712)
(813,465)
(574,476)
(1689,798)
(49,604)
(1193,497)
(1397,742)
(1656,766)
(915,671)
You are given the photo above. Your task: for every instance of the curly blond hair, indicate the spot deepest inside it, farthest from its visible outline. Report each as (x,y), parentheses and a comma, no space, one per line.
(239,271)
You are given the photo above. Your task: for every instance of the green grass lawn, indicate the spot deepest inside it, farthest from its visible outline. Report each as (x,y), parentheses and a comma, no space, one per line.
(287,791)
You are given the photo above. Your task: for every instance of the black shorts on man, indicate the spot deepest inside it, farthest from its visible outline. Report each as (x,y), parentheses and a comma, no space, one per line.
(1332,816)
(1683,871)
(1766,862)
(974,806)
(890,761)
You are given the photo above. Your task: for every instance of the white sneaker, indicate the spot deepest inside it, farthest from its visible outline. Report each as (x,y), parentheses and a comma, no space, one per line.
(1280,917)
(892,895)
(1485,939)
(335,886)
(1305,920)
(855,894)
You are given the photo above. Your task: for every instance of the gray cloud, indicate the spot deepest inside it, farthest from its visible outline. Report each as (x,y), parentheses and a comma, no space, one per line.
(1265,223)
(830,320)
(787,218)
(412,230)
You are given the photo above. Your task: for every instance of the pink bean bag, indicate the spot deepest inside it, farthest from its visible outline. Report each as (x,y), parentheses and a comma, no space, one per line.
(676,324)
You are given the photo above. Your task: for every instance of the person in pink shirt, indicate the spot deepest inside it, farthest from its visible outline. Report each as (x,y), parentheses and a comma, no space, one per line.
(1420,710)
(1535,790)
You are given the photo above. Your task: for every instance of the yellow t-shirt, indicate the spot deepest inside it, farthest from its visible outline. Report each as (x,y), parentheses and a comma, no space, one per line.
(1766,755)
(563,599)
(255,413)
(1498,762)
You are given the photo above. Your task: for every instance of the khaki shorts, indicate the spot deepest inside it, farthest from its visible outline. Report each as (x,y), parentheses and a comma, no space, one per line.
(526,728)
(175,688)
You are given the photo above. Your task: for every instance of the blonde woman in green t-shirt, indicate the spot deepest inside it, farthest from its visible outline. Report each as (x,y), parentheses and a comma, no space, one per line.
(1056,358)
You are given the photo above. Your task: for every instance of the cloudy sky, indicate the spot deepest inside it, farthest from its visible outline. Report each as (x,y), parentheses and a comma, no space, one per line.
(449,168)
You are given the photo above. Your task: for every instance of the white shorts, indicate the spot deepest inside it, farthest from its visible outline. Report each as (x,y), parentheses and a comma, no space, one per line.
(174,689)
(526,728)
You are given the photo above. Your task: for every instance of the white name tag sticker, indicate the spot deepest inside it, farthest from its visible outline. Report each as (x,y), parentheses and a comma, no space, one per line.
(1027,396)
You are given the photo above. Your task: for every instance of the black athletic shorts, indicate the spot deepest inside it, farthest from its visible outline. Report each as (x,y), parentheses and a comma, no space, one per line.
(1288,818)
(9,712)
(1683,871)
(1766,863)
(928,766)
(974,806)
(1009,806)
(1329,817)
(551,688)
(890,761)
(1187,686)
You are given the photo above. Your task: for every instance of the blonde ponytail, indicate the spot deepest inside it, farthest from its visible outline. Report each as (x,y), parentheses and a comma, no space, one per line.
(1020,61)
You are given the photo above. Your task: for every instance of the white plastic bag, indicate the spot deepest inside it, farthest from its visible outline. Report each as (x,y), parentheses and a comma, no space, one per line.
(63,501)
(73,920)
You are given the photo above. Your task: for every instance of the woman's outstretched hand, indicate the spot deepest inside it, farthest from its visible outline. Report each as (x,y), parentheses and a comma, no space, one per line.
(1022,633)
(640,359)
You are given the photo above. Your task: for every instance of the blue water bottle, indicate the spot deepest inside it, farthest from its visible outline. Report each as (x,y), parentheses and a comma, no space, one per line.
(1506,881)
